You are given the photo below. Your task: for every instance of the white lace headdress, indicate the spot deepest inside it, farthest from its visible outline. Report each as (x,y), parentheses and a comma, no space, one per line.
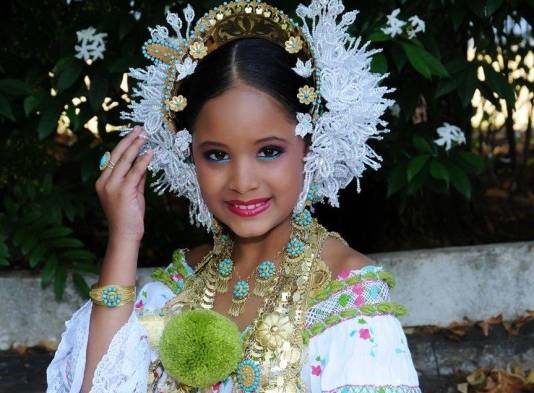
(346,101)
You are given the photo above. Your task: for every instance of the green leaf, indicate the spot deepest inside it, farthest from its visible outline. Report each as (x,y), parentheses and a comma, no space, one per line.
(122,64)
(416,183)
(445,86)
(472,160)
(62,64)
(35,101)
(379,63)
(65,243)
(55,232)
(456,66)
(499,85)
(439,171)
(30,103)
(491,6)
(80,284)
(4,251)
(415,165)
(5,108)
(47,183)
(396,179)
(423,61)
(399,57)
(29,243)
(460,181)
(14,87)
(70,73)
(18,236)
(84,267)
(49,270)
(435,66)
(37,254)
(79,255)
(414,57)
(421,144)
(48,122)
(467,84)
(60,279)
(379,36)
(99,90)
(457,14)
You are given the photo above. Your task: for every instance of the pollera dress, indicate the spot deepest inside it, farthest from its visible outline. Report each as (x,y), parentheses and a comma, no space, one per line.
(354,341)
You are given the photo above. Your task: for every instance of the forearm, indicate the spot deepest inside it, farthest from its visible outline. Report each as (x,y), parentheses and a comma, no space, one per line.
(119,267)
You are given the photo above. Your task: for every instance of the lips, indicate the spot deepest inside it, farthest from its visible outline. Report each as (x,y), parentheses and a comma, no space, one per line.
(249,208)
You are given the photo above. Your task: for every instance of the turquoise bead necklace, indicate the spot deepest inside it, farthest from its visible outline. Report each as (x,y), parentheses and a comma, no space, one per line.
(265,273)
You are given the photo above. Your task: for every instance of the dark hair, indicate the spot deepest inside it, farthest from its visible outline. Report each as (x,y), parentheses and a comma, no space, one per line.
(257,62)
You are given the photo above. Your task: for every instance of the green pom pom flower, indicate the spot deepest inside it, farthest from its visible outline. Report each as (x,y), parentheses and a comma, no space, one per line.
(200,347)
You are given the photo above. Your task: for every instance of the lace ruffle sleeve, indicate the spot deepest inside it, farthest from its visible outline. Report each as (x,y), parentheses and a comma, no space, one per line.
(355,340)
(124,367)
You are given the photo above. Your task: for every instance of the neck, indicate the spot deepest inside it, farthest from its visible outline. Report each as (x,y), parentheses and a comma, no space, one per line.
(247,253)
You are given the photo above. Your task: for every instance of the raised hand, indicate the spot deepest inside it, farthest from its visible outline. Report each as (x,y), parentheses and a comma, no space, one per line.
(121,189)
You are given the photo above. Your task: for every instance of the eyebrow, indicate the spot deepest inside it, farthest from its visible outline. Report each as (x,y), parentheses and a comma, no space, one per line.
(259,141)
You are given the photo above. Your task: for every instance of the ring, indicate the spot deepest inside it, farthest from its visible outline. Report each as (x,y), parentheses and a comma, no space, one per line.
(106,162)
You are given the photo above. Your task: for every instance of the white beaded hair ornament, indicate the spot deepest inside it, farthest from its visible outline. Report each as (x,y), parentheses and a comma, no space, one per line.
(345,101)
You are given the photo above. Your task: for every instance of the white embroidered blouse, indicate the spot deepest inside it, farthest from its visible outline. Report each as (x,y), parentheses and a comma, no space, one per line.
(356,343)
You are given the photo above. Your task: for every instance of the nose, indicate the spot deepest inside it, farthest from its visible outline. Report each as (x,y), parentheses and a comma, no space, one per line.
(244,177)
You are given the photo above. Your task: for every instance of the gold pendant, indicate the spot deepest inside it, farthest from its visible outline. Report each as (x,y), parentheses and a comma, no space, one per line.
(237,307)
(222,284)
(263,287)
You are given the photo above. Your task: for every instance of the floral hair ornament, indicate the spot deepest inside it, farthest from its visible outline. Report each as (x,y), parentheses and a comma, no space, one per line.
(346,101)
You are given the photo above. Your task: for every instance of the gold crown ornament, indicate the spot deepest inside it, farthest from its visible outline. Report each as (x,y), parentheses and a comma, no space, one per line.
(225,23)
(345,99)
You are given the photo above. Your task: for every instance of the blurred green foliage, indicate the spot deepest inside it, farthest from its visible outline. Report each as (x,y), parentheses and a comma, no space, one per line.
(50,216)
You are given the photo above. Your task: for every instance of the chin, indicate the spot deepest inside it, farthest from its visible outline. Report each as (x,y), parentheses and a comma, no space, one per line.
(247,228)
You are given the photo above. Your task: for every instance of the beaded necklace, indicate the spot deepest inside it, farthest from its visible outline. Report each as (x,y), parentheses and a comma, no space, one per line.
(265,278)
(273,344)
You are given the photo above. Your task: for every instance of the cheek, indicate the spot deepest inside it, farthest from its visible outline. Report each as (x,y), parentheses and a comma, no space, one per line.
(287,177)
(209,181)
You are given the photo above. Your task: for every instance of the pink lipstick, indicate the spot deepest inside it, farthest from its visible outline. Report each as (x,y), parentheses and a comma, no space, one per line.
(248,208)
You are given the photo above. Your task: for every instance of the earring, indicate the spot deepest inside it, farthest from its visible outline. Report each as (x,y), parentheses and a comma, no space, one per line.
(313,195)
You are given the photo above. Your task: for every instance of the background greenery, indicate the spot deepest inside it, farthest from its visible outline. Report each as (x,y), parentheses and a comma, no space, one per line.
(424,196)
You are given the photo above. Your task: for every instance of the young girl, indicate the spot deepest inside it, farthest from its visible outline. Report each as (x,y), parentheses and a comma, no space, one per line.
(253,118)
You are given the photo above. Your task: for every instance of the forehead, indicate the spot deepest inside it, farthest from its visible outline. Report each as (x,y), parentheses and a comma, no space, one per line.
(243,112)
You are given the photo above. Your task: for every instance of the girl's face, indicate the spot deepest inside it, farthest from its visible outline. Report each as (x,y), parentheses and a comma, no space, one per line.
(248,159)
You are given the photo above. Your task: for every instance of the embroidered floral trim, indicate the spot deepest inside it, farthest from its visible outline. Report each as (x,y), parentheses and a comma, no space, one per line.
(364,331)
(338,285)
(375,389)
(176,273)
(393,308)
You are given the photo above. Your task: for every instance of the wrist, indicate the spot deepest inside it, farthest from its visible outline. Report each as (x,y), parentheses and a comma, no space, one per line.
(116,239)
(120,262)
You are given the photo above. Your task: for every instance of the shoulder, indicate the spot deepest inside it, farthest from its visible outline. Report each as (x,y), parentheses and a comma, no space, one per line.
(340,257)
(181,267)
(195,255)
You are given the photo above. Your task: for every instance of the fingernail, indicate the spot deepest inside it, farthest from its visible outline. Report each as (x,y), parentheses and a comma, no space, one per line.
(143,135)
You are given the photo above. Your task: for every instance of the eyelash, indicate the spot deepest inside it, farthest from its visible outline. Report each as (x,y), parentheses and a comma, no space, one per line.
(209,155)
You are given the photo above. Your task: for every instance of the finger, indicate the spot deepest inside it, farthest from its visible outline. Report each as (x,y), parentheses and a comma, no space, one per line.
(134,176)
(141,185)
(119,149)
(126,161)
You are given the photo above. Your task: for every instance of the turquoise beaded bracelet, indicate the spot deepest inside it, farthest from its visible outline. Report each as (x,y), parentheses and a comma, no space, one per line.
(112,296)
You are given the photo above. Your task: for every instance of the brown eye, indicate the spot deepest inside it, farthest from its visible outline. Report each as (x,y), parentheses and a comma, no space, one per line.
(270,152)
(216,155)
